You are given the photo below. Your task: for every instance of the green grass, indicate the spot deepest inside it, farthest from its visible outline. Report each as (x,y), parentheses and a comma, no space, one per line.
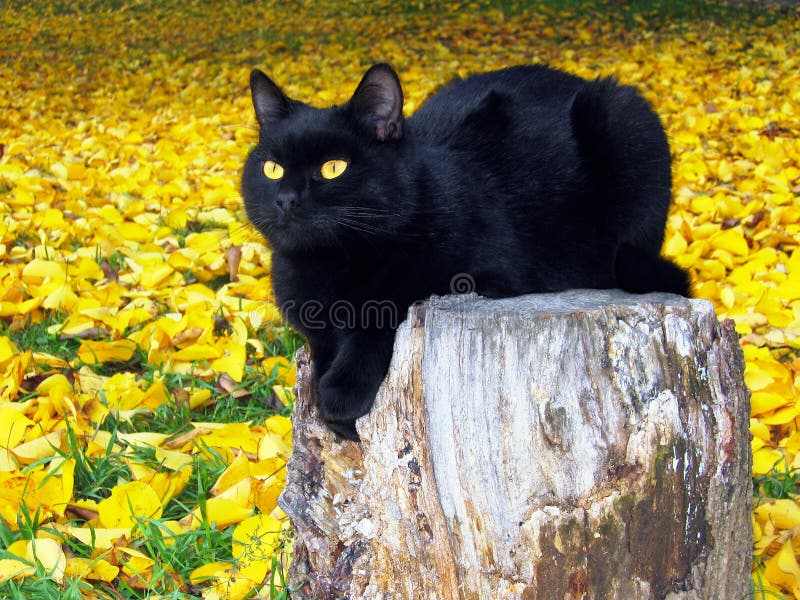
(780,483)
(36,336)
(655,12)
(175,555)
(95,475)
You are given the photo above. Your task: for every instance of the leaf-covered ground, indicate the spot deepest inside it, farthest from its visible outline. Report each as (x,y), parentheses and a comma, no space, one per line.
(144,385)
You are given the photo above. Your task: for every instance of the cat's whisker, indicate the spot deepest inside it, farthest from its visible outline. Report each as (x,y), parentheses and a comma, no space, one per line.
(359,226)
(367,212)
(365,227)
(372,229)
(246,226)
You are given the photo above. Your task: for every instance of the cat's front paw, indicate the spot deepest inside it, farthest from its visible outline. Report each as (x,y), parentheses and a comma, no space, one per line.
(346,429)
(342,402)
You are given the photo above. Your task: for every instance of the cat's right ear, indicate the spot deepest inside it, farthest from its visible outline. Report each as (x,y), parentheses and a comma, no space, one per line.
(270,102)
(378,103)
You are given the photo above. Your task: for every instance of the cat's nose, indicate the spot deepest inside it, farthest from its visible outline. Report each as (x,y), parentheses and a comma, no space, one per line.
(286,200)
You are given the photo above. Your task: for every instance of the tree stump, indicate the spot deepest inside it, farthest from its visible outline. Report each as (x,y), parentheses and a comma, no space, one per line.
(587,444)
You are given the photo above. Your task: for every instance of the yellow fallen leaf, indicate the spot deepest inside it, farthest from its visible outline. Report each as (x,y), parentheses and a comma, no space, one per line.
(282,369)
(783,569)
(765,459)
(231,435)
(100,538)
(237,471)
(19,549)
(174,460)
(229,581)
(731,240)
(92,352)
(127,502)
(231,362)
(783,513)
(256,538)
(13,425)
(273,445)
(266,492)
(7,349)
(279,425)
(221,512)
(11,568)
(95,569)
(48,552)
(210,571)
(756,378)
(39,448)
(39,271)
(284,394)
(759,430)
(765,402)
(675,245)
(142,438)
(197,352)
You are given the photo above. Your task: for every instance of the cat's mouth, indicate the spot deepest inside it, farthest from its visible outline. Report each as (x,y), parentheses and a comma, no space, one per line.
(284,220)
(287,233)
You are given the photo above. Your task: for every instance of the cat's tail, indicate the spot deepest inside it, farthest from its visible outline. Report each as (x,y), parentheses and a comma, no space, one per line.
(639,271)
(623,147)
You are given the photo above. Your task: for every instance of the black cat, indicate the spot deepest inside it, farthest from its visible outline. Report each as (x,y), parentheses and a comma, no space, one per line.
(522,180)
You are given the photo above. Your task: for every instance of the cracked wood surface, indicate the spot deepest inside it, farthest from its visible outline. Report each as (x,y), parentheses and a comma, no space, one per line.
(587,444)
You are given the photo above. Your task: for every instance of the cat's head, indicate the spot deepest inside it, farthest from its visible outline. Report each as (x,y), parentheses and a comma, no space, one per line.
(329,177)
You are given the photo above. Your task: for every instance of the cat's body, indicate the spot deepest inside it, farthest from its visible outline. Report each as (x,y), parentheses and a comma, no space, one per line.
(517,181)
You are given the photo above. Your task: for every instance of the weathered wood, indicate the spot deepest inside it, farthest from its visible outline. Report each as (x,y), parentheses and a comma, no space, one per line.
(588,444)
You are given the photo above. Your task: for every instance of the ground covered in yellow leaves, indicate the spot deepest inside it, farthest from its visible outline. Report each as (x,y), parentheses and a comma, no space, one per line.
(144,381)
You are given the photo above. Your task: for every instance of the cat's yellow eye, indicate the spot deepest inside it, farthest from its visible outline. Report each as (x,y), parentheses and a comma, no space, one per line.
(272,170)
(333,168)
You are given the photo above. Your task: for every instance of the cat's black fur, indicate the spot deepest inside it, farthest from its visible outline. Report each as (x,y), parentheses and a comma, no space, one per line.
(516,181)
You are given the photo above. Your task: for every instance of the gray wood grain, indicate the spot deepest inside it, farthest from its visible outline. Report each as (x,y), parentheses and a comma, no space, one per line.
(587,444)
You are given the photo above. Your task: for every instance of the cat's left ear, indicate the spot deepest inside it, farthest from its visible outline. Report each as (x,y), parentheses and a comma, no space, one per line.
(378,103)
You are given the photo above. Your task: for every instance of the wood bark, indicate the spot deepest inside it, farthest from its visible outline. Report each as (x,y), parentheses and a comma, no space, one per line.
(581,445)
